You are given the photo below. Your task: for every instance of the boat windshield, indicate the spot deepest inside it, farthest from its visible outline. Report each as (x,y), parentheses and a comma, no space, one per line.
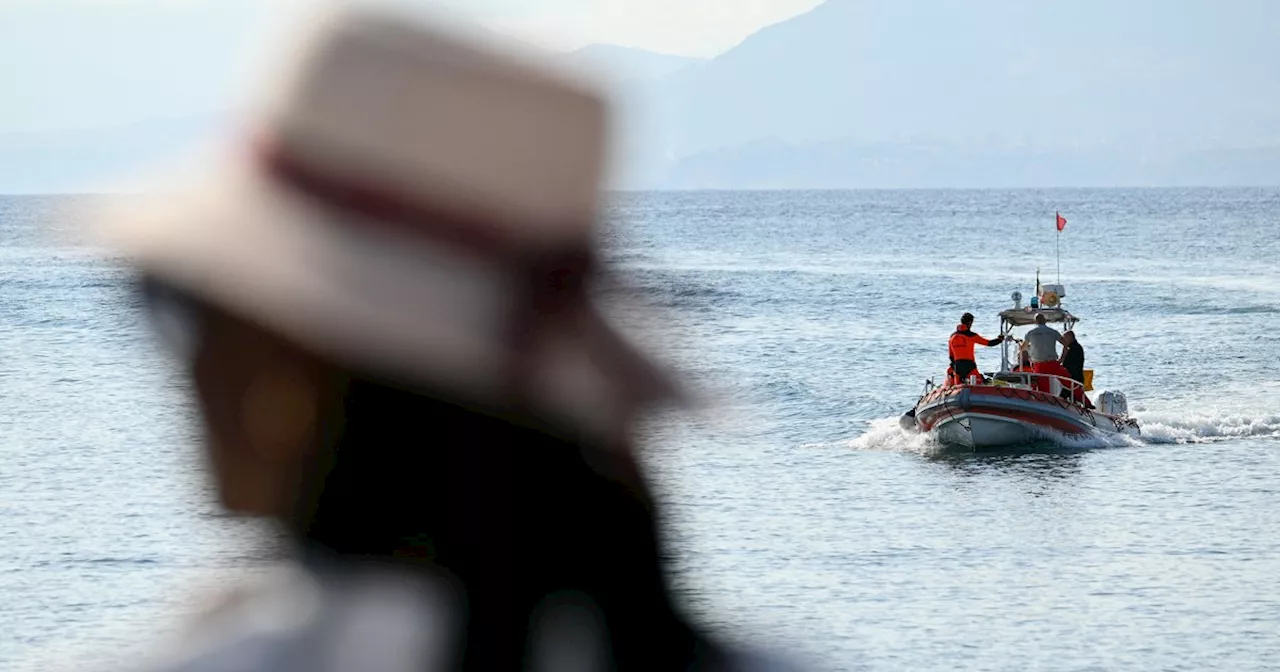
(1025,317)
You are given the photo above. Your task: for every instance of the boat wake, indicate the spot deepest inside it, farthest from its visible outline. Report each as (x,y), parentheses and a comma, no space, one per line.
(887,434)
(1157,429)
(1164,428)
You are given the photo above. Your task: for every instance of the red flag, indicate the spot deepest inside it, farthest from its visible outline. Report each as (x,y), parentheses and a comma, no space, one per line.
(1062,221)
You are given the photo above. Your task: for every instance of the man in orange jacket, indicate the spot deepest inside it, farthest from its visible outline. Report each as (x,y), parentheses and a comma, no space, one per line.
(960,347)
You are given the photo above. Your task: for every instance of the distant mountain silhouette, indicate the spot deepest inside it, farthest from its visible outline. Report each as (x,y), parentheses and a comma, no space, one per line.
(636,81)
(992,87)
(630,65)
(894,94)
(62,161)
(1050,74)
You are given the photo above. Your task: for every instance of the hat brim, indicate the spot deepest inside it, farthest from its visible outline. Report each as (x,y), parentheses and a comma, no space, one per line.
(363,297)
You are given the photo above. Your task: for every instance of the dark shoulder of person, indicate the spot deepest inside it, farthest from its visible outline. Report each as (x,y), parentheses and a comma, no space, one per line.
(1074,360)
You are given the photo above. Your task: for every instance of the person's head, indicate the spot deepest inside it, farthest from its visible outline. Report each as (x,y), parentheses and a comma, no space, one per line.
(1040,319)
(384,312)
(1068,337)
(263,399)
(967,319)
(438,246)
(368,468)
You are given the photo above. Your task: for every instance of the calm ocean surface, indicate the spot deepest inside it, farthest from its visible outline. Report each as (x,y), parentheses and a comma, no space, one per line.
(798,514)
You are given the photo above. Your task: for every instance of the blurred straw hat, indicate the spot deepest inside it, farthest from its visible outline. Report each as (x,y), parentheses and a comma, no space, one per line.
(417,204)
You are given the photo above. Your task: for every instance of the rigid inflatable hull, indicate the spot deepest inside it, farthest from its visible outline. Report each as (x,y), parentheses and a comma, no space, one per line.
(989,416)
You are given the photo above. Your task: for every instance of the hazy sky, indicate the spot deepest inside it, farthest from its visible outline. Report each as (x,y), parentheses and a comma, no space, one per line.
(89,63)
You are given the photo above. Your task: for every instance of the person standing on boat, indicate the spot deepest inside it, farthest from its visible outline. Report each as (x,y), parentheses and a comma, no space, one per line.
(1024,360)
(1073,361)
(1042,342)
(960,347)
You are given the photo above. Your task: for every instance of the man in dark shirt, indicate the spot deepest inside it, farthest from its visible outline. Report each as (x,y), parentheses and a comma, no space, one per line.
(1073,361)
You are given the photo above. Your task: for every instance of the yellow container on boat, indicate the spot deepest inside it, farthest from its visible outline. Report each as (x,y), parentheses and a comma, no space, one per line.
(1088,380)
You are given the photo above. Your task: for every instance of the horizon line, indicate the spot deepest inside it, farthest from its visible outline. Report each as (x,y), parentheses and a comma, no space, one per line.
(669,190)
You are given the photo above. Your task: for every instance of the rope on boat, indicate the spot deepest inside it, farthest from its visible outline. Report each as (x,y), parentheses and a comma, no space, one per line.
(946,405)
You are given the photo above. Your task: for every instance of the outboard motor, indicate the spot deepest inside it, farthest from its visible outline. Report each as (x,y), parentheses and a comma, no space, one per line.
(1113,404)
(908,421)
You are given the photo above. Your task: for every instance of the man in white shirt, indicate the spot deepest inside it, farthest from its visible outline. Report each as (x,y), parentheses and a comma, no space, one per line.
(1042,344)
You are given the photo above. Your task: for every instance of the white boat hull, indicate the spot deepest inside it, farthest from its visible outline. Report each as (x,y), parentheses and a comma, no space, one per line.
(974,430)
(981,417)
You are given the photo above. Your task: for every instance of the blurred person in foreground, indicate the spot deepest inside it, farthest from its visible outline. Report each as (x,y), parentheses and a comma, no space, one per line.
(382,307)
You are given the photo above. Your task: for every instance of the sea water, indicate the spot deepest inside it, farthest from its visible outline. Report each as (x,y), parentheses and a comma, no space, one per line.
(796,513)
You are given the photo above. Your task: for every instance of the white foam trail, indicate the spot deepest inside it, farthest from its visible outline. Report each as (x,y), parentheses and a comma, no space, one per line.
(1157,428)
(1166,427)
(887,434)
(1091,441)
